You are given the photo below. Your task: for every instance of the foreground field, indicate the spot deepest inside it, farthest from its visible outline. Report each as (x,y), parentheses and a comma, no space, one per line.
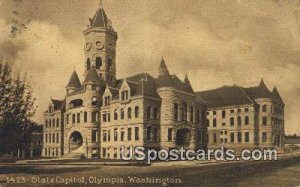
(284,172)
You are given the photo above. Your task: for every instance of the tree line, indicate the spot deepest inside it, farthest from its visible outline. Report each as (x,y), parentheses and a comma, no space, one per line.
(17,106)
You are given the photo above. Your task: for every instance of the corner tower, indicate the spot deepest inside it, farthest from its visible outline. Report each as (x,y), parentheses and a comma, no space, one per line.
(100,46)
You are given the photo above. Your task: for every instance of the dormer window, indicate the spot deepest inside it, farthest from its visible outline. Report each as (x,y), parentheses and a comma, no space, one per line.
(106,100)
(124,95)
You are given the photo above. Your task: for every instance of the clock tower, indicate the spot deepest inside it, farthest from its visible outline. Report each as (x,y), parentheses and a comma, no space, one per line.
(100,46)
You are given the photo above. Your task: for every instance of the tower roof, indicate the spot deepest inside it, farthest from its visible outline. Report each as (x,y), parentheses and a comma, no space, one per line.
(276,96)
(100,19)
(92,76)
(163,64)
(74,81)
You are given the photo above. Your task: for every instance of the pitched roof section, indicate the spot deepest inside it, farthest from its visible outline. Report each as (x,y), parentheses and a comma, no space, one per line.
(260,91)
(58,104)
(74,81)
(225,96)
(92,76)
(100,19)
(275,96)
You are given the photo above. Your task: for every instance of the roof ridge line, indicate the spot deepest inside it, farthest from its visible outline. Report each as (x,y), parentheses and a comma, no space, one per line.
(242,89)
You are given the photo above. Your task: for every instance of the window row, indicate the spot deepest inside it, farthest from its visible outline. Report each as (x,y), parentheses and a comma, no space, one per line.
(232,121)
(106,115)
(77,118)
(119,135)
(52,123)
(51,138)
(186,113)
(223,112)
(231,139)
(52,152)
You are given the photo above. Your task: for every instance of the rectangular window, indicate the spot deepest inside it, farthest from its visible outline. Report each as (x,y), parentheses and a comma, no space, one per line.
(199,136)
(94,117)
(104,136)
(136,130)
(73,118)
(94,136)
(239,137)
(108,117)
(68,118)
(214,122)
(239,110)
(46,138)
(148,133)
(122,135)
(246,136)
(85,117)
(215,138)
(264,120)
(214,112)
(78,118)
(246,109)
(223,114)
(115,135)
(155,132)
(108,135)
(129,134)
(264,137)
(232,137)
(104,117)
(57,138)
(170,134)
(232,111)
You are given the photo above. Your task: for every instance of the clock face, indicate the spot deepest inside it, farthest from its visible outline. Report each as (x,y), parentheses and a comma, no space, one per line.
(99,45)
(88,46)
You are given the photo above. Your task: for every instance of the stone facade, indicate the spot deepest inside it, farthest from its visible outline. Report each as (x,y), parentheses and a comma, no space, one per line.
(104,114)
(244,117)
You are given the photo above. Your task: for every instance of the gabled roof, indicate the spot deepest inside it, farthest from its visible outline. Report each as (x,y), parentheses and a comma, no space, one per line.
(225,96)
(92,76)
(74,81)
(260,91)
(58,104)
(100,19)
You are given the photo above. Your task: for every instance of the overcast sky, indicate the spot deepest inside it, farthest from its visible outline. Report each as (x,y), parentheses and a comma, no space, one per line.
(217,43)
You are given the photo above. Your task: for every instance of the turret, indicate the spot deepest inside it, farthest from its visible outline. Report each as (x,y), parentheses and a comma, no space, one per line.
(74,83)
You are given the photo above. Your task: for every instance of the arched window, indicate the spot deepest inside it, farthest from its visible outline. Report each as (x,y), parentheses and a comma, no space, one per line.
(46,123)
(129,113)
(122,113)
(88,64)
(53,122)
(149,112)
(57,122)
(232,121)
(49,123)
(246,120)
(98,62)
(184,111)
(192,114)
(116,114)
(136,112)
(239,120)
(155,113)
(175,111)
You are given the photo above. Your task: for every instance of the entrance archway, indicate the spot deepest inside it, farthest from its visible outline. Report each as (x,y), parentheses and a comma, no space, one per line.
(76,141)
(183,138)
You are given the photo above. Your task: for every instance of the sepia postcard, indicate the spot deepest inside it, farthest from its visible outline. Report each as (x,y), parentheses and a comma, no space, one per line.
(149,93)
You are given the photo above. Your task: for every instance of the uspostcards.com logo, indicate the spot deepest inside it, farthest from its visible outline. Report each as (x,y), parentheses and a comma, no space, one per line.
(221,154)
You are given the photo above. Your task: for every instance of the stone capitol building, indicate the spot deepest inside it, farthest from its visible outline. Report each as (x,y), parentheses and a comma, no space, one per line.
(103,113)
